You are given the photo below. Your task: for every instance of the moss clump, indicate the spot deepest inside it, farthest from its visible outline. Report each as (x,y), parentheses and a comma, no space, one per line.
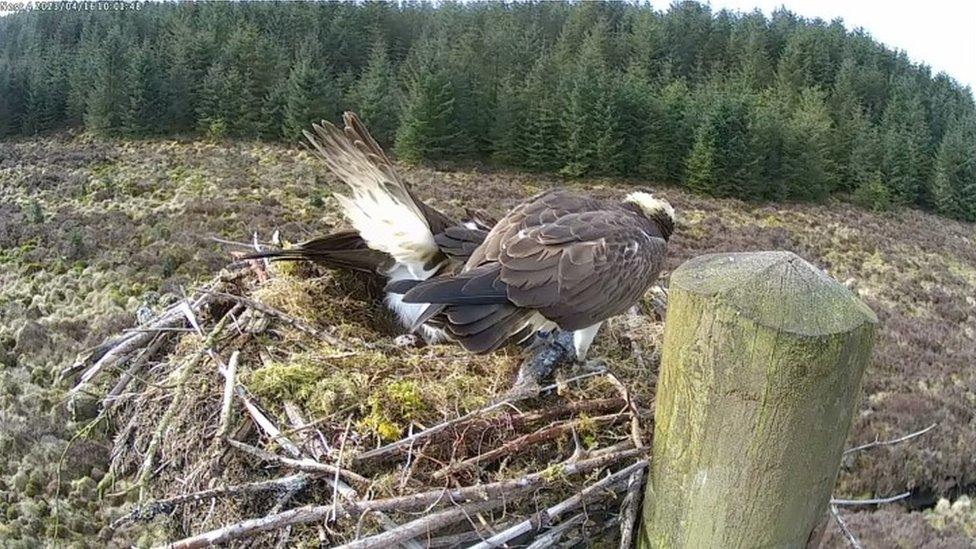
(320,389)
(394,404)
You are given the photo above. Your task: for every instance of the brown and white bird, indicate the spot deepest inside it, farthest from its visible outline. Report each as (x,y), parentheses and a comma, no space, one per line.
(395,235)
(557,260)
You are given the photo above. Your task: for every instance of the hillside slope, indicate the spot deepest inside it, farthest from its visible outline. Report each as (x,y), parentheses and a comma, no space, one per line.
(92,230)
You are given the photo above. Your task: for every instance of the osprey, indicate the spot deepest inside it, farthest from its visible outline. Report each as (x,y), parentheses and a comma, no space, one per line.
(558,260)
(394,235)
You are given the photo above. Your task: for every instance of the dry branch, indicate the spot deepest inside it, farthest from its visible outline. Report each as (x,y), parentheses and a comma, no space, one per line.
(228,400)
(552,536)
(851,538)
(284,317)
(424,525)
(149,510)
(303,464)
(628,509)
(545,517)
(876,442)
(414,502)
(875,501)
(134,370)
(409,441)
(521,443)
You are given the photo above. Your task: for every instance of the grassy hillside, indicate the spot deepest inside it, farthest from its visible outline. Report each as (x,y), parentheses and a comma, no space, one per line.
(91,230)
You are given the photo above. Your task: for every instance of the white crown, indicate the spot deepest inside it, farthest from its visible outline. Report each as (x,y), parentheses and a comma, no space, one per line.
(650,205)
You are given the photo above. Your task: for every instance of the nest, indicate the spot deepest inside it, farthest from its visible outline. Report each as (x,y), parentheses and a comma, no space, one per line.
(277,405)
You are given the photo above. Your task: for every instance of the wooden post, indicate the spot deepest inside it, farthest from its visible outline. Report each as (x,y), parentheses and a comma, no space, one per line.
(760,376)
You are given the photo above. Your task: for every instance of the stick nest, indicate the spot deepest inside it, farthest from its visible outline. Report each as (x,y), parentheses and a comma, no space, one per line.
(277,404)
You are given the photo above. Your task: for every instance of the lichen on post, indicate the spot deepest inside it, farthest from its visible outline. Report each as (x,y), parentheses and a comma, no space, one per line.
(760,376)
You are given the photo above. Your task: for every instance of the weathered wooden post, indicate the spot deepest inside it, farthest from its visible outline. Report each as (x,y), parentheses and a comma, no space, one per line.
(760,376)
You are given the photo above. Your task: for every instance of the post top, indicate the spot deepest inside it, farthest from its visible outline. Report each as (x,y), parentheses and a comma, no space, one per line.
(776,289)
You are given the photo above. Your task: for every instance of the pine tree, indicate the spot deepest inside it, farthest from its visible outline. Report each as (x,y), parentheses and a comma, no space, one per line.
(904,137)
(427,130)
(106,99)
(632,101)
(669,134)
(7,106)
(376,95)
(310,95)
(722,162)
(508,125)
(703,171)
(954,174)
(143,93)
(540,141)
(591,143)
(273,111)
(806,157)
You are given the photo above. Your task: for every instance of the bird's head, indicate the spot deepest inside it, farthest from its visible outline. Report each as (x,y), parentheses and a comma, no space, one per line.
(654,209)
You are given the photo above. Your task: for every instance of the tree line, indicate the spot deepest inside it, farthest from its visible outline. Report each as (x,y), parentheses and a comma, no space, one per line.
(728,104)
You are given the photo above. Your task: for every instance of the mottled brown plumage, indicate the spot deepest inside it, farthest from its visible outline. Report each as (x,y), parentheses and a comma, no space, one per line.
(558,259)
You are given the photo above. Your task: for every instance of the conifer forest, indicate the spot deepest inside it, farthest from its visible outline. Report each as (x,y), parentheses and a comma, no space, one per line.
(727,104)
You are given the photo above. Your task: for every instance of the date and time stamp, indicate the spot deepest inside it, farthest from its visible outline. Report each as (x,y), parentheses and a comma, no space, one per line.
(8,6)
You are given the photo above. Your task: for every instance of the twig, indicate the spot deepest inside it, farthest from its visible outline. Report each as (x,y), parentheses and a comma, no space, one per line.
(550,537)
(628,509)
(496,491)
(303,464)
(335,483)
(229,384)
(134,369)
(149,510)
(517,445)
(460,540)
(284,317)
(424,525)
(851,538)
(266,424)
(397,446)
(635,427)
(875,501)
(169,319)
(299,425)
(545,517)
(149,462)
(890,442)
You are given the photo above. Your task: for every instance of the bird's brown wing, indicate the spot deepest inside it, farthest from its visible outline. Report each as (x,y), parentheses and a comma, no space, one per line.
(539,210)
(580,268)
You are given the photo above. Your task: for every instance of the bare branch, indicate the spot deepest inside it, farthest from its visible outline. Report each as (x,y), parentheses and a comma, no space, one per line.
(628,509)
(228,400)
(284,317)
(149,510)
(302,464)
(851,538)
(875,501)
(890,442)
(497,491)
(399,445)
(550,537)
(585,495)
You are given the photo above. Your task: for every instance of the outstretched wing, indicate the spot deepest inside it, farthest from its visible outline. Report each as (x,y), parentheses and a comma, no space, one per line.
(381,207)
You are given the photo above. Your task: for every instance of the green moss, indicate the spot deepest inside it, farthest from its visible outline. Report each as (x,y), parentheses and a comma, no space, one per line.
(395,404)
